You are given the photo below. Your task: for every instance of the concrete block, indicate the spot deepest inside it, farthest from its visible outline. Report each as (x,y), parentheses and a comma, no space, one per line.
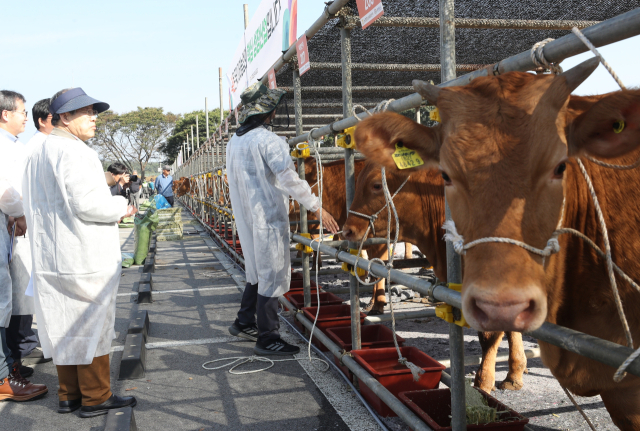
(140,324)
(121,420)
(145,295)
(134,358)
(149,265)
(146,278)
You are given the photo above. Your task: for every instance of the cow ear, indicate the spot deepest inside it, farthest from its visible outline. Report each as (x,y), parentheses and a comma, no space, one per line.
(609,128)
(384,135)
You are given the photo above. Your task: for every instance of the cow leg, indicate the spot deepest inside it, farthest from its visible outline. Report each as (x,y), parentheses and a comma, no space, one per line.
(486,375)
(379,298)
(408,250)
(517,363)
(623,405)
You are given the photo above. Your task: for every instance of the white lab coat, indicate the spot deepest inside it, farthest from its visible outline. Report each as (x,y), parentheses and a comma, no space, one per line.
(75,248)
(15,153)
(261,177)
(10,206)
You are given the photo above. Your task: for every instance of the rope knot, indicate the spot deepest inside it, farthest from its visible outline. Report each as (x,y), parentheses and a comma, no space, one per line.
(415,370)
(452,235)
(553,246)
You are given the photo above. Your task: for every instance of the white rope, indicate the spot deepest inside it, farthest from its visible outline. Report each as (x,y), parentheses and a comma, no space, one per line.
(537,57)
(593,49)
(380,107)
(575,404)
(237,361)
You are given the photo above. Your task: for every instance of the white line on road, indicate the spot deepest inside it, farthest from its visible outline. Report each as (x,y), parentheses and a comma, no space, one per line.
(193,289)
(165,344)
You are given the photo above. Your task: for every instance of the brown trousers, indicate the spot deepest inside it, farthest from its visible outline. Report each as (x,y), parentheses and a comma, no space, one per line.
(92,382)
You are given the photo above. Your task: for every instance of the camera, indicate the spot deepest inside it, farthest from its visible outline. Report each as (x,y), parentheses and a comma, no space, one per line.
(133,178)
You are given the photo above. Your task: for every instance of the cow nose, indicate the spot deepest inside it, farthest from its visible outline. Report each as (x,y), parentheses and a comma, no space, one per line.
(503,315)
(348,233)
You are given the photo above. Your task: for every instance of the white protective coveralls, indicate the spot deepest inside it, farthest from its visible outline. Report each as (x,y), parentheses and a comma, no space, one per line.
(15,154)
(10,206)
(261,178)
(75,247)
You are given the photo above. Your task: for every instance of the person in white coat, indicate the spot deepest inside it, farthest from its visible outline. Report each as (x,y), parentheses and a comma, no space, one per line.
(261,178)
(76,255)
(13,386)
(21,338)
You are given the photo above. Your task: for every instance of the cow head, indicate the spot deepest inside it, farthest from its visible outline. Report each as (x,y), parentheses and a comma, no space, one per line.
(502,148)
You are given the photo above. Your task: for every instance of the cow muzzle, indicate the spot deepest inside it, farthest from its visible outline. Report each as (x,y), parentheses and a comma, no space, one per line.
(523,312)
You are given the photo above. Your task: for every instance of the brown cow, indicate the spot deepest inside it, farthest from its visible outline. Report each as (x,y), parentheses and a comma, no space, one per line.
(181,187)
(506,148)
(422,198)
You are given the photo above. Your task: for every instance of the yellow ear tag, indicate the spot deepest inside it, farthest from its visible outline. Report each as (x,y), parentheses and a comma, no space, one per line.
(618,126)
(406,158)
(435,115)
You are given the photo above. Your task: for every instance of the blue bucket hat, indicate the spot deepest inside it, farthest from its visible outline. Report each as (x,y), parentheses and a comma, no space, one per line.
(74,99)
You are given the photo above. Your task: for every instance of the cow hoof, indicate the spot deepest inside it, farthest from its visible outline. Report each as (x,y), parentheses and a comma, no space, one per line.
(526,371)
(368,307)
(510,385)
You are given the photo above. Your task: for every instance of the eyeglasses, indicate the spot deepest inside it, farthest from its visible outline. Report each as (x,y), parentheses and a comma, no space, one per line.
(25,113)
(89,112)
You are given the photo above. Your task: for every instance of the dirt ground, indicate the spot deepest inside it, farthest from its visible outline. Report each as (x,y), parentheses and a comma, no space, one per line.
(541,399)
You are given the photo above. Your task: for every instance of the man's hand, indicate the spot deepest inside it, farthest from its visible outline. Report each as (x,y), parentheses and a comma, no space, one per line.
(327,220)
(20,223)
(21,226)
(131,210)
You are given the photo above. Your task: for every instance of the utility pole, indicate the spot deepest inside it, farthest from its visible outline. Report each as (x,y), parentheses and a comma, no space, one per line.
(206,114)
(220,75)
(197,133)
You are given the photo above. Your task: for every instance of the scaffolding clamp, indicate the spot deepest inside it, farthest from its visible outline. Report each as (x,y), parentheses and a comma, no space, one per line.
(450,314)
(301,151)
(208,174)
(346,138)
(347,267)
(304,248)
(219,171)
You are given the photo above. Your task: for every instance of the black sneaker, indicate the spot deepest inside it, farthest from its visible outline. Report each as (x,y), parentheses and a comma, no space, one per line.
(275,347)
(248,332)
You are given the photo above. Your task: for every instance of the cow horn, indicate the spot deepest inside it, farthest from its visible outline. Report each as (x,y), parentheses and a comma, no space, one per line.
(576,75)
(426,90)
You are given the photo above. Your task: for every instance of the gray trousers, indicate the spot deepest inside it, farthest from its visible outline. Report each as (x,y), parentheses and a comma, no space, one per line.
(6,361)
(134,199)
(267,309)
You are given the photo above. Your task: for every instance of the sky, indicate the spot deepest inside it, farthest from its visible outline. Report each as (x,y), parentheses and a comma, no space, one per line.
(164,53)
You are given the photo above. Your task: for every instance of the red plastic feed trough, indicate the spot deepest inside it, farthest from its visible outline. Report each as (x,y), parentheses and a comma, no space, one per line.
(383,365)
(371,337)
(326,298)
(434,408)
(331,316)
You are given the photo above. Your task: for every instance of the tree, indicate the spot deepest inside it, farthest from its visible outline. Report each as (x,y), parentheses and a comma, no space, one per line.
(182,128)
(133,138)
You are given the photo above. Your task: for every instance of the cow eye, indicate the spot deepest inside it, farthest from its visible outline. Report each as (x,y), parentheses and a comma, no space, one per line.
(445,177)
(558,172)
(377,186)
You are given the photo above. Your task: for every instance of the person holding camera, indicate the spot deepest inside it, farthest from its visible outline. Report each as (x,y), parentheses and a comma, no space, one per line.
(120,176)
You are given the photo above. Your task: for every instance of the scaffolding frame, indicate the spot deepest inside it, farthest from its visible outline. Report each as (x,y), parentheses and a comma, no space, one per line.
(208,161)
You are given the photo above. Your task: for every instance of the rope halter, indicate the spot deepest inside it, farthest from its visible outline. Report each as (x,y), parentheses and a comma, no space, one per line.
(372,218)
(552,247)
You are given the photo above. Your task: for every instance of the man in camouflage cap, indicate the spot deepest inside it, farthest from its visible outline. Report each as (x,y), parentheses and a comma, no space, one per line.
(261,177)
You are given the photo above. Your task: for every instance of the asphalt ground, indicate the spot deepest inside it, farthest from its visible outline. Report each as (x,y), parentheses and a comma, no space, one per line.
(197,292)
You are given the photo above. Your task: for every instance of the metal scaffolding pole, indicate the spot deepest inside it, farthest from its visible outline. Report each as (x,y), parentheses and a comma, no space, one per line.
(350,180)
(220,79)
(454,269)
(304,227)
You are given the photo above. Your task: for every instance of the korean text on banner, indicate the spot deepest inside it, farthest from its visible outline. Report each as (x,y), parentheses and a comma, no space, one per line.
(303,55)
(272,79)
(369,11)
(272,30)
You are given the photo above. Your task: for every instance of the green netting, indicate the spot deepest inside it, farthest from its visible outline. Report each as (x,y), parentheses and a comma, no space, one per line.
(143,228)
